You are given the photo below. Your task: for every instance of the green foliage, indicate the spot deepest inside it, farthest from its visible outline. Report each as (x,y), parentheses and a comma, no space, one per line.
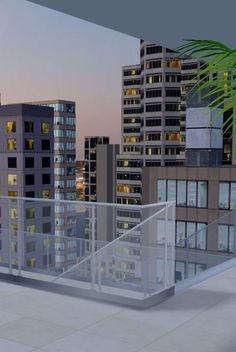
(216,78)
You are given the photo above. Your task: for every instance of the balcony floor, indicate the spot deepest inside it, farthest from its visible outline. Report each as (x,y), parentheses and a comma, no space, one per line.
(201,319)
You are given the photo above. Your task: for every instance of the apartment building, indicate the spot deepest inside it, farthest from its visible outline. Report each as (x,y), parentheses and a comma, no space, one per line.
(26,164)
(65,179)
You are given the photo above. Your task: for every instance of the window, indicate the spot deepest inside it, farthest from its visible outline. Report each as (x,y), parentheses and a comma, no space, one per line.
(30,213)
(153,93)
(226,238)
(14,229)
(45,144)
(31,262)
(46,162)
(171,190)
(202,194)
(46,193)
(153,64)
(12,193)
(29,180)
(12,163)
(47,259)
(29,163)
(161,190)
(185,193)
(47,227)
(45,127)
(181,193)
(30,247)
(11,144)
(11,126)
(14,246)
(46,179)
(153,50)
(192,194)
(151,79)
(227,195)
(13,213)
(29,144)
(46,211)
(29,194)
(29,127)
(12,180)
(191,234)
(153,107)
(180,233)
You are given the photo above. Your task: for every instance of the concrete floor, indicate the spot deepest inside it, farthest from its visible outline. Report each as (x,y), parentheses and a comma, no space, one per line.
(202,318)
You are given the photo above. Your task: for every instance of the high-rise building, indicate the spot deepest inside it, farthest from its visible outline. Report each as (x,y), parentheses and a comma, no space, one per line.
(90,158)
(26,165)
(153,118)
(80,169)
(65,182)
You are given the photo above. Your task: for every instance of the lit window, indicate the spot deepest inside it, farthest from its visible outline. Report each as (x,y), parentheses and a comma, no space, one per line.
(30,229)
(31,262)
(12,193)
(45,127)
(11,126)
(12,180)
(14,229)
(11,144)
(30,213)
(14,246)
(13,213)
(29,144)
(46,194)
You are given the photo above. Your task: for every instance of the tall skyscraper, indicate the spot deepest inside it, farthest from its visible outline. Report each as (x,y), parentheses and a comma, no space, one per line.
(26,165)
(153,119)
(65,179)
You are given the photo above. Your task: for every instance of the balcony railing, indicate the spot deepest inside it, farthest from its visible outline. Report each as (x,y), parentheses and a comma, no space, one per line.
(89,248)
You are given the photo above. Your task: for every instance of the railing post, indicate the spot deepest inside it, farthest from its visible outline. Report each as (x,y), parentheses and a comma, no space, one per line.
(165,251)
(93,219)
(99,273)
(48,245)
(9,236)
(20,234)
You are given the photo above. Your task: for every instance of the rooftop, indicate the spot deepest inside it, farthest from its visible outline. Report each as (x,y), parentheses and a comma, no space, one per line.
(202,317)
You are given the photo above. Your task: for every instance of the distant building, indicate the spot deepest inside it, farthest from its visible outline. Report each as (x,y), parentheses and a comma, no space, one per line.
(26,169)
(80,184)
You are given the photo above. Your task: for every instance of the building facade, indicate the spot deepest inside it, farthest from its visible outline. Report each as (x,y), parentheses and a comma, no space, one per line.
(26,164)
(65,179)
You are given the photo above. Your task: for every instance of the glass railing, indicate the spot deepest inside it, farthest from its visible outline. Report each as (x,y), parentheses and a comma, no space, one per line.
(192,254)
(125,250)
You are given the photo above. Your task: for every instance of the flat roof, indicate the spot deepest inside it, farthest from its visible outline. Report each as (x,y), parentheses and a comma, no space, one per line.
(200,319)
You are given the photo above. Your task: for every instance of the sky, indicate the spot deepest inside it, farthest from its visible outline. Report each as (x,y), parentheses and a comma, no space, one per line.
(49,55)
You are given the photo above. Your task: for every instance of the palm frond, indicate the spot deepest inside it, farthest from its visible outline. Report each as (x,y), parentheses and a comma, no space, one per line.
(215,80)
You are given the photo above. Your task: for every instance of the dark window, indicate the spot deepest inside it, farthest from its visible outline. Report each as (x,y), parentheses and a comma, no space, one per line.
(132,82)
(30,247)
(29,127)
(29,180)
(46,179)
(46,211)
(153,107)
(12,162)
(153,122)
(29,194)
(46,161)
(172,92)
(153,50)
(47,227)
(29,162)
(47,259)
(153,93)
(45,144)
(172,122)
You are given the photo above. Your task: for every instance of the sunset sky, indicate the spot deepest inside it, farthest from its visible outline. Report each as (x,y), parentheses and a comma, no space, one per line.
(49,55)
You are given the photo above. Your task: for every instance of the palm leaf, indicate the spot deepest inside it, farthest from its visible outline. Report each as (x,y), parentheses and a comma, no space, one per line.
(220,69)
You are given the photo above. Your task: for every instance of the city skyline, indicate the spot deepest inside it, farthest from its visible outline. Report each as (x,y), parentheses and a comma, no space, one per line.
(59,41)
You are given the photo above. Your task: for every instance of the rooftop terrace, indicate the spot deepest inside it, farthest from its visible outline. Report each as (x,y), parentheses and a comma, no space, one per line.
(200,319)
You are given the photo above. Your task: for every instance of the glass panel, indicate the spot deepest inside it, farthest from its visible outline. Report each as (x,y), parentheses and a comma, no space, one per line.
(201,235)
(180,234)
(171,190)
(192,193)
(191,269)
(191,234)
(181,193)
(202,194)
(233,196)
(224,195)
(179,271)
(161,190)
(232,239)
(222,238)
